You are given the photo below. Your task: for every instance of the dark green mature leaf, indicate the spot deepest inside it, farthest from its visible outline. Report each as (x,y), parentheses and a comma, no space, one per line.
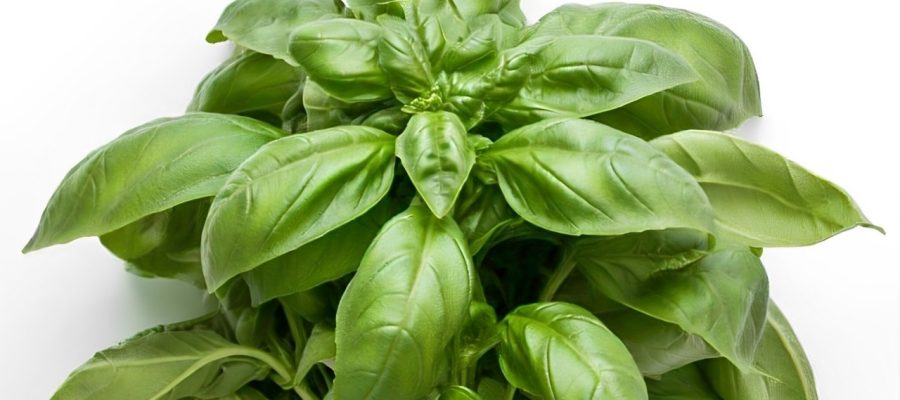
(341,55)
(726,93)
(780,357)
(481,212)
(435,153)
(561,351)
(579,177)
(405,59)
(265,26)
(163,245)
(582,75)
(330,257)
(147,170)
(408,300)
(656,346)
(170,365)
(722,298)
(251,84)
(293,191)
(760,198)
(459,393)
(685,383)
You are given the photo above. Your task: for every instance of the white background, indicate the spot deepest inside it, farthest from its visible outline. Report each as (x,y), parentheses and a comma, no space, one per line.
(75,74)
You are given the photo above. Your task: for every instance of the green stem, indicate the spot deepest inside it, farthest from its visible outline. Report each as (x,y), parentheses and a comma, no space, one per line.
(305,393)
(510,391)
(562,271)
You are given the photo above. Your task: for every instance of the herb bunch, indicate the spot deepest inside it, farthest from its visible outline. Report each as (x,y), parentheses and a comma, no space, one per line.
(424,199)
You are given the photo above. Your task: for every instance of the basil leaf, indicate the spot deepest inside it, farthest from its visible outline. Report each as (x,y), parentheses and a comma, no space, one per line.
(169,161)
(291,192)
(167,365)
(370,9)
(458,393)
(324,111)
(780,357)
(319,348)
(330,257)
(411,295)
(511,13)
(481,213)
(582,75)
(163,245)
(656,346)
(491,389)
(485,36)
(561,351)
(578,177)
(315,305)
(579,291)
(341,55)
(250,84)
(435,153)
(405,59)
(685,383)
(726,93)
(636,257)
(721,298)
(760,198)
(265,26)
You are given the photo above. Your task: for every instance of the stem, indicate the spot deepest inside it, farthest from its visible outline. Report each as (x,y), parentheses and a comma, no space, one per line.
(304,392)
(273,362)
(510,391)
(562,271)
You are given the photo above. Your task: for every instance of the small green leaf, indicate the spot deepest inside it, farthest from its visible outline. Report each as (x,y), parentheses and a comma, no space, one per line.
(405,59)
(341,55)
(459,393)
(435,153)
(560,351)
(172,365)
(582,75)
(371,9)
(760,198)
(481,212)
(293,191)
(265,26)
(578,177)
(319,348)
(406,303)
(685,383)
(722,297)
(785,373)
(147,170)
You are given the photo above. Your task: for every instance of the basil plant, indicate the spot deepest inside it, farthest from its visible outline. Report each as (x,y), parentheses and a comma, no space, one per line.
(433,199)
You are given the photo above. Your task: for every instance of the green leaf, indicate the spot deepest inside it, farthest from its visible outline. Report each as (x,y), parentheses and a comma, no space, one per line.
(163,245)
(685,383)
(341,55)
(459,393)
(561,351)
(578,177)
(582,75)
(405,59)
(760,198)
(324,111)
(370,9)
(401,311)
(171,365)
(435,153)
(147,170)
(481,213)
(491,389)
(319,348)
(722,297)
(251,84)
(638,256)
(265,26)
(656,346)
(246,393)
(726,93)
(328,258)
(511,13)
(293,191)
(315,305)
(484,38)
(785,371)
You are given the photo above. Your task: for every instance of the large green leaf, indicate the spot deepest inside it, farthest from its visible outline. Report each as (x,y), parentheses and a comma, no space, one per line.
(408,300)
(722,297)
(760,198)
(435,153)
(726,93)
(784,374)
(582,75)
(167,365)
(265,26)
(579,177)
(147,170)
(404,58)
(330,257)
(685,383)
(293,191)
(251,84)
(560,351)
(341,55)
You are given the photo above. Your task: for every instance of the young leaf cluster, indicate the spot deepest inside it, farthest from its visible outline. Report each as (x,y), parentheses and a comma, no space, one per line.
(432,199)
